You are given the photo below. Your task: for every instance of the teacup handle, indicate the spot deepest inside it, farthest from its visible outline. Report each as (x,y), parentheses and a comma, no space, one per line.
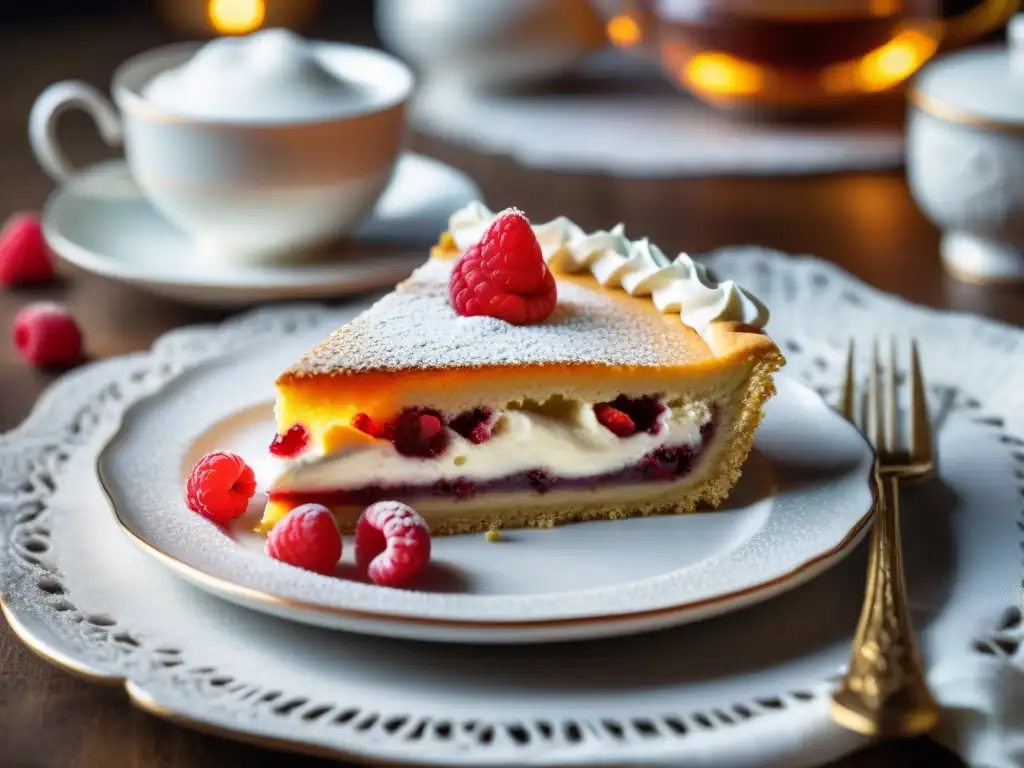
(51,104)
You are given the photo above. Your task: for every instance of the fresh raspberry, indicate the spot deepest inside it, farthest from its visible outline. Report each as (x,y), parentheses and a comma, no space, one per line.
(474,425)
(644,411)
(504,275)
(292,443)
(24,255)
(420,432)
(614,420)
(220,486)
(46,334)
(392,543)
(307,537)
(365,424)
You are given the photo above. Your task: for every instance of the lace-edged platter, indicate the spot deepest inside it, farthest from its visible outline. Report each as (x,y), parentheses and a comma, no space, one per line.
(745,688)
(577,581)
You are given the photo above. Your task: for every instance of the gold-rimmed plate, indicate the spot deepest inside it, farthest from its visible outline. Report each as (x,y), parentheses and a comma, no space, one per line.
(804,501)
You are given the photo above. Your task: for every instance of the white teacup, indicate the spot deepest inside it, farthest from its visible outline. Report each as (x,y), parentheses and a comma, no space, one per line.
(257,187)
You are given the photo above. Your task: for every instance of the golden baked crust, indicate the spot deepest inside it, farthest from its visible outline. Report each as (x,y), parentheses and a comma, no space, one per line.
(708,486)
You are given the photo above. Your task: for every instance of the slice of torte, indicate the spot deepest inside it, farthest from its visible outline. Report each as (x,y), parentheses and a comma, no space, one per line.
(529,376)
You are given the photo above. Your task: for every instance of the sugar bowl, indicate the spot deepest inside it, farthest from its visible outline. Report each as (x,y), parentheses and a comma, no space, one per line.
(965,157)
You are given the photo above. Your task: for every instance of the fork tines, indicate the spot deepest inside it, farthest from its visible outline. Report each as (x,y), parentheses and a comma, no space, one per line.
(879,420)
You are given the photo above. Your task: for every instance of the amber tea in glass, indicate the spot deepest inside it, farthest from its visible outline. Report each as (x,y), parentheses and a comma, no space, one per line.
(782,53)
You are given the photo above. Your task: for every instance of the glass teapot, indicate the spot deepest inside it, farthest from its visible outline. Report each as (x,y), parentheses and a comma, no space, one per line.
(795,54)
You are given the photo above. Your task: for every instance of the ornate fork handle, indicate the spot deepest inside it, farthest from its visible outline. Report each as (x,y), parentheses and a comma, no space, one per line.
(884,692)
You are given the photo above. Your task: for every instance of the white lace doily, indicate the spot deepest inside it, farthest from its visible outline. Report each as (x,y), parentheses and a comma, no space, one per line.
(746,689)
(625,120)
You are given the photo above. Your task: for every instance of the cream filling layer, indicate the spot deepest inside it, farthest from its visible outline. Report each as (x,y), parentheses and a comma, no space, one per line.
(573,444)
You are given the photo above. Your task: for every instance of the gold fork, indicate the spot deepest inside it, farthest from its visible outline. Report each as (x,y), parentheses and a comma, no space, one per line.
(884,691)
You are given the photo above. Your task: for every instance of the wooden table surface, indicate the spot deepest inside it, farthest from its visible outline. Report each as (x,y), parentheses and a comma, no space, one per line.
(866,223)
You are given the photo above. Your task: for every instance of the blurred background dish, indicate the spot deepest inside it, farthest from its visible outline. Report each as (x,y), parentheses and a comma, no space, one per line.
(260,147)
(965,157)
(488,43)
(616,119)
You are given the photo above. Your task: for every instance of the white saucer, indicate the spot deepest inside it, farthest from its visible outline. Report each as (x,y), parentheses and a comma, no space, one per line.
(101,223)
(803,503)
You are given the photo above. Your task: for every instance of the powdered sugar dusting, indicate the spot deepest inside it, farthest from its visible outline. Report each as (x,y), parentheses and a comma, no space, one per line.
(416,328)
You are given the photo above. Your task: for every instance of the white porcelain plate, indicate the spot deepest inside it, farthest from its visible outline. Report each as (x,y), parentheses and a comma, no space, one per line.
(804,500)
(101,223)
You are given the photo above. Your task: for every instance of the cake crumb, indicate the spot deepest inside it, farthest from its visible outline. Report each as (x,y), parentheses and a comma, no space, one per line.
(493,535)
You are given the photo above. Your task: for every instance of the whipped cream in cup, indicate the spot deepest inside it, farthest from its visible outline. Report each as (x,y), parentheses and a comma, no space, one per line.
(262,147)
(270,75)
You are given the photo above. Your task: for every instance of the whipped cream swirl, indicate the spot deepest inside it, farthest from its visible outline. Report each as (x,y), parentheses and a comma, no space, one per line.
(272,74)
(638,267)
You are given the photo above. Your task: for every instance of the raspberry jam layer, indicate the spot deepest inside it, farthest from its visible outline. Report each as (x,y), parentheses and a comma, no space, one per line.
(664,464)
